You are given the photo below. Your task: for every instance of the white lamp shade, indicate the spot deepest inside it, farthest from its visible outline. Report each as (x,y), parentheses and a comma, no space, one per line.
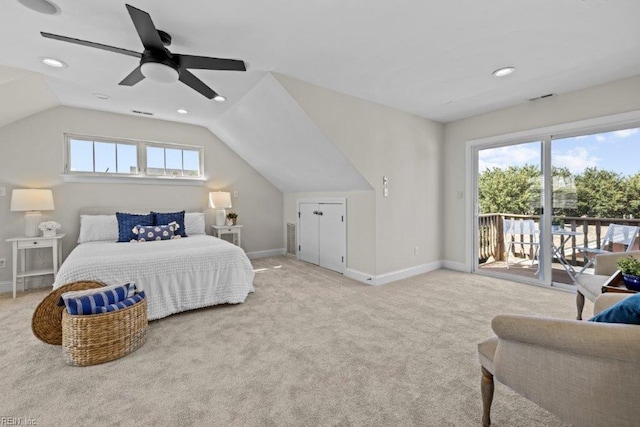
(32,200)
(220,199)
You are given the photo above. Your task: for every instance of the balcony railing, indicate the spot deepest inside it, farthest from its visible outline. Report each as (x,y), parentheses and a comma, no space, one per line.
(491,234)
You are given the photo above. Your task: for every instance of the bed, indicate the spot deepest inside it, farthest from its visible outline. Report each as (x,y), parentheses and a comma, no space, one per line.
(177,275)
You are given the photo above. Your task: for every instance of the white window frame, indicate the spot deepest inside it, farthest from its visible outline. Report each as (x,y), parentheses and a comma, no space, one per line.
(139,177)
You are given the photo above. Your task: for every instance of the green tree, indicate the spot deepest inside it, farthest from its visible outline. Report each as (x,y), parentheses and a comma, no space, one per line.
(633,195)
(511,190)
(601,194)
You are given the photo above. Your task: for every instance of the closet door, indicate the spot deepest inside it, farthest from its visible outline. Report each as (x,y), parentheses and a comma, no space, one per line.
(332,236)
(308,233)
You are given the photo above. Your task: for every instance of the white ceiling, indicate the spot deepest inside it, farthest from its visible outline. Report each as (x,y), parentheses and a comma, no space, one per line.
(430,58)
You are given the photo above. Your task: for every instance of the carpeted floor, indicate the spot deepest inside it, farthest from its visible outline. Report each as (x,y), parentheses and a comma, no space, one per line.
(309,347)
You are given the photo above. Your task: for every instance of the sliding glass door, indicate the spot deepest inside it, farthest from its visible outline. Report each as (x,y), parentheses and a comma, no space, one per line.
(589,182)
(508,199)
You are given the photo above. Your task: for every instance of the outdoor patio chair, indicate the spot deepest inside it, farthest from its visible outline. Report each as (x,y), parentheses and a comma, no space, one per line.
(521,232)
(616,234)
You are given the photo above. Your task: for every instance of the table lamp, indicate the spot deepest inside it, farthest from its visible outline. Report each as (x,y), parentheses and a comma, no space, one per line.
(31,201)
(220,200)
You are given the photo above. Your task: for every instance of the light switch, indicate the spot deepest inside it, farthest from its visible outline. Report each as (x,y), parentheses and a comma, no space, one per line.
(459,195)
(385,180)
(3,191)
(385,192)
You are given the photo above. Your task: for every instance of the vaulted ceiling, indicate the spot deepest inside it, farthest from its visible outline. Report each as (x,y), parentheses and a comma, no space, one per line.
(430,58)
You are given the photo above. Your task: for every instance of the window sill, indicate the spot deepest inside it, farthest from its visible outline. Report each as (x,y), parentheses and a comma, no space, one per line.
(143,180)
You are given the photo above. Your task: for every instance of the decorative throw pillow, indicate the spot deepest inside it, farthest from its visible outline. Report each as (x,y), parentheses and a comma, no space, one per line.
(88,301)
(147,233)
(625,311)
(127,221)
(194,223)
(167,217)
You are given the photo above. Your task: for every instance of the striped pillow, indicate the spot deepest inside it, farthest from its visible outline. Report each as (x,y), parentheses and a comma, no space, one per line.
(88,301)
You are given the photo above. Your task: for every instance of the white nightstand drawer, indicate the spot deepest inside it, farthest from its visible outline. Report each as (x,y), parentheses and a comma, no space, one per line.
(35,243)
(229,230)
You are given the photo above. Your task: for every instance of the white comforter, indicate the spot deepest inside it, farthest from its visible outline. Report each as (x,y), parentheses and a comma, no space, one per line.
(177,275)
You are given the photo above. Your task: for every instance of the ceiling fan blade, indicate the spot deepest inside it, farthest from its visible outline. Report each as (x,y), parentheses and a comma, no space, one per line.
(196,84)
(207,63)
(92,44)
(145,28)
(134,77)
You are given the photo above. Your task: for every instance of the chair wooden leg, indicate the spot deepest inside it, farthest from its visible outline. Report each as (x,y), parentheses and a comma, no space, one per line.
(579,304)
(486,387)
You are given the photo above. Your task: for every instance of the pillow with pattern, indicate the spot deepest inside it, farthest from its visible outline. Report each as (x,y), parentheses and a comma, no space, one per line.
(147,233)
(167,217)
(127,221)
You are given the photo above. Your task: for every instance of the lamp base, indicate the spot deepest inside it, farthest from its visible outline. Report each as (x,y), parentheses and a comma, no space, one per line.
(221,216)
(31,222)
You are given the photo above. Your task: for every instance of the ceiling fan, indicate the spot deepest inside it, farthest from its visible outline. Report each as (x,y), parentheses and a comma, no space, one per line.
(156,62)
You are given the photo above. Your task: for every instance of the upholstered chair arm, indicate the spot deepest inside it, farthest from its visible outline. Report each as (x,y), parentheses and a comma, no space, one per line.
(602,340)
(606,264)
(606,300)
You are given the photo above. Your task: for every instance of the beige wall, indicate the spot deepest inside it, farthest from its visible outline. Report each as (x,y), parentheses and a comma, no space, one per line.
(607,99)
(31,155)
(361,239)
(381,141)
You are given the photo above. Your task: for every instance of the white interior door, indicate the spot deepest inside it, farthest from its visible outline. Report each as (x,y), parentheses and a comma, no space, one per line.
(332,236)
(308,233)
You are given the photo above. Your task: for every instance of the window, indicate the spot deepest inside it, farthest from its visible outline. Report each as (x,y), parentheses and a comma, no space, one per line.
(104,157)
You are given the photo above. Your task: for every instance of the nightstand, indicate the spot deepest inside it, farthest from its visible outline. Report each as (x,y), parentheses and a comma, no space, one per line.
(219,230)
(23,244)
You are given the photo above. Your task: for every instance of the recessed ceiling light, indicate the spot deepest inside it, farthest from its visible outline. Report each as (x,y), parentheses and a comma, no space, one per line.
(182,111)
(101,95)
(504,71)
(219,98)
(41,6)
(52,62)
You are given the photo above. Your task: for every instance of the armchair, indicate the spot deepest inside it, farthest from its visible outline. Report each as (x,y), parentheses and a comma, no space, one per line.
(585,373)
(590,286)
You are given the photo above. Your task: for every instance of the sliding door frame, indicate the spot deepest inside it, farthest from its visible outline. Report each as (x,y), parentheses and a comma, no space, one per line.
(545,135)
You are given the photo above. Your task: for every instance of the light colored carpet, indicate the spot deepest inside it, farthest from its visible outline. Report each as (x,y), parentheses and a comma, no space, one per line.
(309,347)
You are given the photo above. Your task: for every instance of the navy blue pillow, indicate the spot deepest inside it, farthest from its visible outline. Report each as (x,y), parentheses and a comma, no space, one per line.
(625,311)
(164,218)
(126,223)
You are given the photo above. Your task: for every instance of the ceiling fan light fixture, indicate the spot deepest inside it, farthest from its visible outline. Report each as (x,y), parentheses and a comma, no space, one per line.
(182,111)
(159,72)
(41,6)
(504,71)
(52,62)
(219,98)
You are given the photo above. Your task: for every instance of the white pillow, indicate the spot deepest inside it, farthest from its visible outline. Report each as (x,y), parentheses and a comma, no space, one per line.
(194,223)
(98,228)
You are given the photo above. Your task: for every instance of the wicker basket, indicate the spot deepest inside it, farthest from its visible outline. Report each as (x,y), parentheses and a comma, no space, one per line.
(46,322)
(99,338)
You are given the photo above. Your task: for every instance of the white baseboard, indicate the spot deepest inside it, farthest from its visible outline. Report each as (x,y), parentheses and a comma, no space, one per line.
(456,266)
(392,276)
(6,287)
(267,253)
(369,279)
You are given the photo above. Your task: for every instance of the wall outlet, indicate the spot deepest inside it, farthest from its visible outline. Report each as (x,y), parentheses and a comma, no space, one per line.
(416,250)
(385,192)
(3,263)
(236,194)
(459,195)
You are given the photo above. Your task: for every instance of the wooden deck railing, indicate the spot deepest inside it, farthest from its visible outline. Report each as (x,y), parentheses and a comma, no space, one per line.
(491,235)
